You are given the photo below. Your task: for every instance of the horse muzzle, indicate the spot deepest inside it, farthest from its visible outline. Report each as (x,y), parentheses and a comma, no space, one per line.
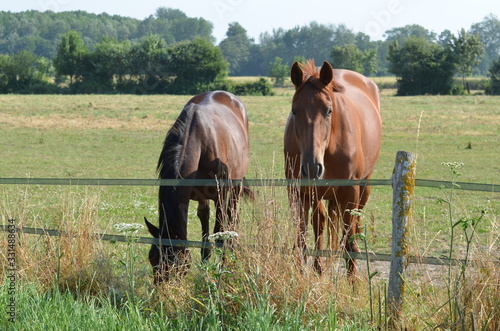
(314,170)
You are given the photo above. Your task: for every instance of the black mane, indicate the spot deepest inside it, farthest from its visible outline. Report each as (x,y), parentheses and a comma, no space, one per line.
(168,168)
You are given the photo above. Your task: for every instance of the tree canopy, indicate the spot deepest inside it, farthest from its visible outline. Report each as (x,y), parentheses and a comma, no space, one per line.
(112,53)
(422,67)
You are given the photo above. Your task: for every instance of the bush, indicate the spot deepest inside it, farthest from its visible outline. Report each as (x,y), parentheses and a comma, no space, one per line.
(260,87)
(493,86)
(422,67)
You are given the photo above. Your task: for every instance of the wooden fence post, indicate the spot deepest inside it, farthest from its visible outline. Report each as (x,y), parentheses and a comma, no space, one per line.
(403,185)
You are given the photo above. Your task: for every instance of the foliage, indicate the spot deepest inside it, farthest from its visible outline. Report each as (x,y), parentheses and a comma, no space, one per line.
(422,67)
(488,31)
(236,48)
(278,71)
(24,73)
(467,49)
(352,58)
(494,83)
(39,32)
(70,55)
(400,34)
(259,87)
(174,26)
(194,65)
(147,65)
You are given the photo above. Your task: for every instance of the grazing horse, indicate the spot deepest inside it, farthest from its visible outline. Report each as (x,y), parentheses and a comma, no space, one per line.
(332,132)
(209,140)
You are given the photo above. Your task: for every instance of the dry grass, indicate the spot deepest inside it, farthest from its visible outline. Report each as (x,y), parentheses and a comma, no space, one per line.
(76,260)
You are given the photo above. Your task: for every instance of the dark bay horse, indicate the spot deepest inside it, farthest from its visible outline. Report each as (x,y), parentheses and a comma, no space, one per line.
(209,140)
(332,132)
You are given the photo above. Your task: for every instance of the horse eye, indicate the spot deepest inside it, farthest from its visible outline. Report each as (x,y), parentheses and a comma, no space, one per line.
(293,111)
(329,111)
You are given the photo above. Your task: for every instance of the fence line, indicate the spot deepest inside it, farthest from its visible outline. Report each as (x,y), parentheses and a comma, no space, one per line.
(247,182)
(205,244)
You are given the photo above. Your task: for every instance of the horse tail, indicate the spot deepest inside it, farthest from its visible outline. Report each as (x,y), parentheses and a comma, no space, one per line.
(248,193)
(243,191)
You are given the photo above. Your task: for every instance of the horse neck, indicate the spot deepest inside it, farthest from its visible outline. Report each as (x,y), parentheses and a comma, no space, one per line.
(172,213)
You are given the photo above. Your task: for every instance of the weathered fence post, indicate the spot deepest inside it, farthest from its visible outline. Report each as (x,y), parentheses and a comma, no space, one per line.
(403,184)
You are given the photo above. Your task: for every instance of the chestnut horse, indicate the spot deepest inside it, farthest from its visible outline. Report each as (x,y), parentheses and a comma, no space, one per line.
(332,132)
(209,140)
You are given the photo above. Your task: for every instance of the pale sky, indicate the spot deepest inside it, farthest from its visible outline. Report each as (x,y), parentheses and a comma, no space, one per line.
(372,17)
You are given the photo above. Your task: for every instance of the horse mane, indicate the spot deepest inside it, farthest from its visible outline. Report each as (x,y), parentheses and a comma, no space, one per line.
(168,163)
(312,76)
(168,168)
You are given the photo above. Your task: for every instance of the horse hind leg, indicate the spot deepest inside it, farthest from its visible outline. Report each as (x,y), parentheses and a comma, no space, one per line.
(204,216)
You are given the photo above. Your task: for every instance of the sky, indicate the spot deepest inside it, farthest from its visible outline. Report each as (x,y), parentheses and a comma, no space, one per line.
(372,17)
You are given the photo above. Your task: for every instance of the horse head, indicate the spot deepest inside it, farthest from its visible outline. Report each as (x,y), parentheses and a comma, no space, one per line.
(313,109)
(166,260)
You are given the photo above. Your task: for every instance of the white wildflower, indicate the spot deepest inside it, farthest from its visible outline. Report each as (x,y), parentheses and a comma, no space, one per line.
(130,228)
(226,235)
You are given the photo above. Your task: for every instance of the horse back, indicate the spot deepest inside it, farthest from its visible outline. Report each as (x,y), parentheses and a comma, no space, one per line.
(216,141)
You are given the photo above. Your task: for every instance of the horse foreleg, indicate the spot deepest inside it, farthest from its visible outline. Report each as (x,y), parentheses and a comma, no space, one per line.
(204,216)
(348,201)
(333,225)
(318,223)
(304,205)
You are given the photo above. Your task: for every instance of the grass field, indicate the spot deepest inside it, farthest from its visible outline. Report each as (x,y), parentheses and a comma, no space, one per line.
(101,136)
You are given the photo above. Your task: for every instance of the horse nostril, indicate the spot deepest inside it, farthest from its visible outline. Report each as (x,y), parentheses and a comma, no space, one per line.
(304,171)
(320,170)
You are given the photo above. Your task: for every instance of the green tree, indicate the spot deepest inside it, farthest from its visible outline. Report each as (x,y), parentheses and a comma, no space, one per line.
(351,58)
(347,57)
(110,59)
(494,84)
(18,72)
(70,55)
(422,67)
(4,78)
(468,50)
(195,65)
(236,48)
(174,26)
(488,31)
(400,34)
(148,62)
(278,71)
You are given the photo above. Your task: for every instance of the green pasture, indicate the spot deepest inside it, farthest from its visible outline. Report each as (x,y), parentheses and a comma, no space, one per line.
(120,136)
(99,136)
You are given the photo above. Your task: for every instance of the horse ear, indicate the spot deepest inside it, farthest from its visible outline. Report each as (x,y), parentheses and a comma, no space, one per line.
(155,232)
(296,74)
(326,73)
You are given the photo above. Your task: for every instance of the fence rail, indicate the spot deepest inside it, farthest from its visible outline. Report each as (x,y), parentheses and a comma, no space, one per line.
(247,182)
(205,244)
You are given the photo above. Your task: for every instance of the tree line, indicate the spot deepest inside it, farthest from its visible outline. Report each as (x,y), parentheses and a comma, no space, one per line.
(171,53)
